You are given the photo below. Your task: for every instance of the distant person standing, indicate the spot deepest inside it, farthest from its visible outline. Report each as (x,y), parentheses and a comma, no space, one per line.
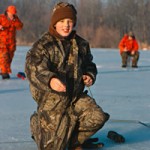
(9,23)
(129,48)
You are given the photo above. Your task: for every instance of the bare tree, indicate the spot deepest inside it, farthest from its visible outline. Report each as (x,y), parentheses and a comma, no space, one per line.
(102,23)
(35,16)
(4,4)
(143,21)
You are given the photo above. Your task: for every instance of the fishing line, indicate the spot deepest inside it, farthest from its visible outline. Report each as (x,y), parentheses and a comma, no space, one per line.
(130,121)
(90,92)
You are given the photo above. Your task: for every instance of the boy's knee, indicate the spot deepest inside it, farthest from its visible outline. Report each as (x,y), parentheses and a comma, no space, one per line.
(98,119)
(103,117)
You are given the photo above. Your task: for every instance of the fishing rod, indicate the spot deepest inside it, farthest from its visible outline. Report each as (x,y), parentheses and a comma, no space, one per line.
(130,121)
(125,120)
(15,142)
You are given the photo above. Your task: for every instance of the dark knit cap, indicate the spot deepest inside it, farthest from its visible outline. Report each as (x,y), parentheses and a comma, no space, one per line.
(61,11)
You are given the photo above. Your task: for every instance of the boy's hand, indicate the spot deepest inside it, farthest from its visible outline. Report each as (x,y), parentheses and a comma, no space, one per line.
(57,85)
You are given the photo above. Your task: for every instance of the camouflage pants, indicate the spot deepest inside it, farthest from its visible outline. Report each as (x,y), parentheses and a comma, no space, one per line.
(125,56)
(57,127)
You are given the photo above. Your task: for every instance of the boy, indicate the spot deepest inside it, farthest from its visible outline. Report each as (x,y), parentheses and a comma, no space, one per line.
(59,66)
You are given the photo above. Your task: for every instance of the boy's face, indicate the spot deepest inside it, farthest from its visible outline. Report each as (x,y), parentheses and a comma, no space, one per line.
(64,27)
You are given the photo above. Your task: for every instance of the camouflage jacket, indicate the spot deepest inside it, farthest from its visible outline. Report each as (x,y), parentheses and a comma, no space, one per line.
(67,60)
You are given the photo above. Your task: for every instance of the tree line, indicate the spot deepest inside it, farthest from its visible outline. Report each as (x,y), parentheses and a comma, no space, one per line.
(101,22)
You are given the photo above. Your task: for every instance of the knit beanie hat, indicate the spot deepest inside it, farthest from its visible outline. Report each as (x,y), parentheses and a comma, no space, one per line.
(61,11)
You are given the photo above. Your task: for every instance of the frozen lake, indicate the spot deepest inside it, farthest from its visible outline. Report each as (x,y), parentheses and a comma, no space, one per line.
(123,93)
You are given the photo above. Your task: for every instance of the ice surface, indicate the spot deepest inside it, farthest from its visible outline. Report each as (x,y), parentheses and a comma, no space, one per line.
(123,93)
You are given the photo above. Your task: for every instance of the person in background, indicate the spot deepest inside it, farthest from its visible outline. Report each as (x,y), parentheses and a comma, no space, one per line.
(9,23)
(129,48)
(58,67)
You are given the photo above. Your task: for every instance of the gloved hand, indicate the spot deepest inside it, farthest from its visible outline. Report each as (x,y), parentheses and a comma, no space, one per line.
(92,143)
(115,137)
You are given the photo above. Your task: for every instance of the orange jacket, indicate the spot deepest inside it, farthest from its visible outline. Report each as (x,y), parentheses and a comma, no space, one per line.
(4,31)
(129,45)
(8,41)
(8,33)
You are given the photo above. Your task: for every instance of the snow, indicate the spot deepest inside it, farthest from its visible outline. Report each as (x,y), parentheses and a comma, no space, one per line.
(123,93)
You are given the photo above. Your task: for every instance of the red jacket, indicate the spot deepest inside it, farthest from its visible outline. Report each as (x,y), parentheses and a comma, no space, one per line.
(8,33)
(129,45)
(4,31)
(8,41)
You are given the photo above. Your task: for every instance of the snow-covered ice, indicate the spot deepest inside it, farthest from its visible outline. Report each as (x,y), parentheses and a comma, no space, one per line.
(123,93)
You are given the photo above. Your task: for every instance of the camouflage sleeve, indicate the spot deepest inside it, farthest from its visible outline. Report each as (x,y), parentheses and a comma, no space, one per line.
(89,66)
(37,68)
